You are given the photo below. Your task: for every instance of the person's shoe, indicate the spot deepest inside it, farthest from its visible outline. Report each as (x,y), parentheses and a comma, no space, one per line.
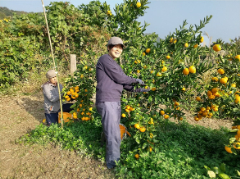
(110,166)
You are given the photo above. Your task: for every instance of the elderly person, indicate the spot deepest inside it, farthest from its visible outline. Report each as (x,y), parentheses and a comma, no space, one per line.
(111,80)
(51,98)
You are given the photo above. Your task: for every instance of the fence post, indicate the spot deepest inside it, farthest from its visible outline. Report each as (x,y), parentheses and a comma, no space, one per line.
(73,63)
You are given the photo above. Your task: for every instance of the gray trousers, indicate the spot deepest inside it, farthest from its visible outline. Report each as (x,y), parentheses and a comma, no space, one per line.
(111,115)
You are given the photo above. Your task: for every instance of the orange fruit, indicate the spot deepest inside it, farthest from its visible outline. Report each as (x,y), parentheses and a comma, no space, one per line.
(148,50)
(138,4)
(192,69)
(217,94)
(150,149)
(168,57)
(233,85)
(221,71)
(209,93)
(198,98)
(142,129)
(128,107)
(211,97)
(71,90)
(238,133)
(68,99)
(236,145)
(143,53)
(223,80)
(202,39)
(127,110)
(162,112)
(74,117)
(214,90)
(215,79)
(228,149)
(137,126)
(159,74)
(186,45)
(176,104)
(217,47)
(237,57)
(132,109)
(196,118)
(205,113)
(185,71)
(137,156)
(195,46)
(183,89)
(164,69)
(237,99)
(226,77)
(154,89)
(166,116)
(123,115)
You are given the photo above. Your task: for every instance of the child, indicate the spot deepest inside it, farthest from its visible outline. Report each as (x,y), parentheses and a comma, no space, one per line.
(51,97)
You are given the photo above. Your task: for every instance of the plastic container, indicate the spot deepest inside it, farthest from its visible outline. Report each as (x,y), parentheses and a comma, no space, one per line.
(66,117)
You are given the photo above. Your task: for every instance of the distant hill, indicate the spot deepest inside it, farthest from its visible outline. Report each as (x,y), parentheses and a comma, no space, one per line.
(5,12)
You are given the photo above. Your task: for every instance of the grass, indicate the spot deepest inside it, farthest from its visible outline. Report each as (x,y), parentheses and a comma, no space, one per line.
(182,151)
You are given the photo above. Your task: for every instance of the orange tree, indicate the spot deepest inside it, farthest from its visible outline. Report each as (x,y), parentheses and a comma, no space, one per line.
(170,68)
(221,98)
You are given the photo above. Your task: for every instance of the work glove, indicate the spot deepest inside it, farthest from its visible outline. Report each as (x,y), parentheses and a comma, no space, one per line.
(140,82)
(144,90)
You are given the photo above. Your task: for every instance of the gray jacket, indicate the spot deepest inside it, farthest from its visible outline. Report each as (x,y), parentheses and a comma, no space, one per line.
(51,97)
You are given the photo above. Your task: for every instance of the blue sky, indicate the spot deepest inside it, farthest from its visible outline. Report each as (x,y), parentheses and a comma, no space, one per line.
(164,16)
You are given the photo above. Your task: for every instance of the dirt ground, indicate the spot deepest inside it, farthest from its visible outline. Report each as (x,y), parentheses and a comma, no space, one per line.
(18,115)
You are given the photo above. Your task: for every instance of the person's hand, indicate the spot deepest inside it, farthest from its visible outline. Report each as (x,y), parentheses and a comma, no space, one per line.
(140,82)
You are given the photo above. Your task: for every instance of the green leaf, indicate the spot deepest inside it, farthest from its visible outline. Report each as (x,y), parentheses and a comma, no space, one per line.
(222,168)
(207,167)
(215,169)
(137,140)
(124,100)
(150,99)
(144,145)
(223,176)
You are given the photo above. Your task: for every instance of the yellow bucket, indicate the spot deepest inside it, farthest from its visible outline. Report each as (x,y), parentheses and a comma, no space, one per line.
(66,117)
